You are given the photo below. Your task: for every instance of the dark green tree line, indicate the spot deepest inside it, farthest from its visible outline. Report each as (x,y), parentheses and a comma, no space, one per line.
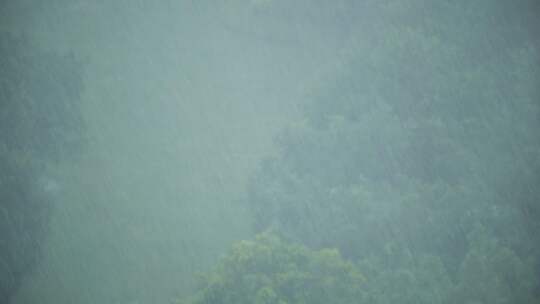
(419,158)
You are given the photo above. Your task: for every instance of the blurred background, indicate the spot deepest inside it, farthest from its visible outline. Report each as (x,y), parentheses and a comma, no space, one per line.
(141,139)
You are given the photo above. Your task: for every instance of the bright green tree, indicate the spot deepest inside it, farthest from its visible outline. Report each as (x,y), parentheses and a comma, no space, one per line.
(270,270)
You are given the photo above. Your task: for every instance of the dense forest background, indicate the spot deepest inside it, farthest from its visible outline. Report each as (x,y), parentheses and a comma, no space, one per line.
(269,151)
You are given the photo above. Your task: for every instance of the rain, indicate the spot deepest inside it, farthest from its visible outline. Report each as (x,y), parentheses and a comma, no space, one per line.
(269,151)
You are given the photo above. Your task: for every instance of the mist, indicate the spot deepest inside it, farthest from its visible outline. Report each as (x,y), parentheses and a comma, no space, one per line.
(269,152)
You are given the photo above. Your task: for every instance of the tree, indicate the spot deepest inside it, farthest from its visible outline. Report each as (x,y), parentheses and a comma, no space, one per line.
(426,130)
(40,124)
(270,270)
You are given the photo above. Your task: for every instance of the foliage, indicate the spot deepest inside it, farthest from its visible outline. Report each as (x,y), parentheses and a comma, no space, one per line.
(493,273)
(425,132)
(270,270)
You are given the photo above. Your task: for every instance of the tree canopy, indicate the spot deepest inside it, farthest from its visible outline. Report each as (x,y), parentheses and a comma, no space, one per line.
(416,156)
(270,270)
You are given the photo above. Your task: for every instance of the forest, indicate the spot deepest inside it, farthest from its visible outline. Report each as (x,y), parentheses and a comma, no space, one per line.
(270,152)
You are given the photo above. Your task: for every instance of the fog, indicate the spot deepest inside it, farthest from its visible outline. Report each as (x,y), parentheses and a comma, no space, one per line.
(157,146)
